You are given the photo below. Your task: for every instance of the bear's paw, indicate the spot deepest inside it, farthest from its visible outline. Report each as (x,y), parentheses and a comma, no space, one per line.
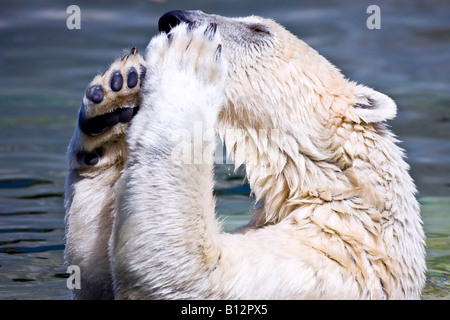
(113,97)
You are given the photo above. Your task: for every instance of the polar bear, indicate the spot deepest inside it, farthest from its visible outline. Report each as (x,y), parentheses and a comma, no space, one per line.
(338,216)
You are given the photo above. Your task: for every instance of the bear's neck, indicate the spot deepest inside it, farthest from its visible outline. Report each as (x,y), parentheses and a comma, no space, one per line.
(282,175)
(368,167)
(285,172)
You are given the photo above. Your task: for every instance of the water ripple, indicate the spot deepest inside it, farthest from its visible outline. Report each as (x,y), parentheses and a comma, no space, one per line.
(21,183)
(14,250)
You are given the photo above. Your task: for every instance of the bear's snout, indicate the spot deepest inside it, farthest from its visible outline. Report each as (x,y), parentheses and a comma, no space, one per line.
(173,18)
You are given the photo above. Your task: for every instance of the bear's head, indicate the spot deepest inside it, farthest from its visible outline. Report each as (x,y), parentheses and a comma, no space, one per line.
(289,111)
(275,76)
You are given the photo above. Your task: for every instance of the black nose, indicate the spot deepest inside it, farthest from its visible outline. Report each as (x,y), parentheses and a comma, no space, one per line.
(172,19)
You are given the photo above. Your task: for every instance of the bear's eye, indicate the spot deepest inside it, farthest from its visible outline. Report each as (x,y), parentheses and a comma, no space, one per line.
(259,28)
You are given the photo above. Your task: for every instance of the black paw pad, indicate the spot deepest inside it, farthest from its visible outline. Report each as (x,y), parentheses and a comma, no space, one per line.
(98,124)
(132,78)
(90,158)
(126,114)
(102,123)
(95,94)
(116,81)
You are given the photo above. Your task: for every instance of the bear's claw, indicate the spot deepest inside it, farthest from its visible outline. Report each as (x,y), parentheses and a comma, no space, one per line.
(211,30)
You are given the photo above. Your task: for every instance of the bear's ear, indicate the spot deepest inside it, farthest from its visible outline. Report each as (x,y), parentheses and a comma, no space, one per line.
(373,106)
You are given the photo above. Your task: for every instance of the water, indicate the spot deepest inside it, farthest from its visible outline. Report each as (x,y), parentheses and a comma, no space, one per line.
(45,69)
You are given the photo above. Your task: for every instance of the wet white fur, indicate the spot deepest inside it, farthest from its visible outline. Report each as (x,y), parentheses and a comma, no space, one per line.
(338,218)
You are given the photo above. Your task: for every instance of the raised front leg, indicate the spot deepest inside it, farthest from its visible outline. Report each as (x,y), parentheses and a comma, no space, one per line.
(96,156)
(165,232)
